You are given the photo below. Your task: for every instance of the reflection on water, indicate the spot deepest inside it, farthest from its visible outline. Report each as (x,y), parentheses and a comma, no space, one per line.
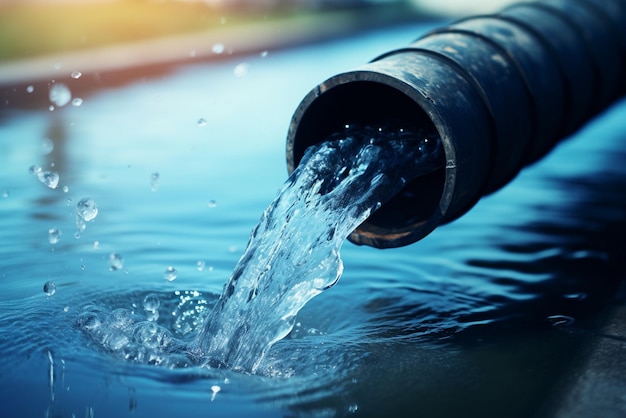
(485,317)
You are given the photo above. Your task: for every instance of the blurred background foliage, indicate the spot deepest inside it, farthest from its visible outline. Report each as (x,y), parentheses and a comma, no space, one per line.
(36,27)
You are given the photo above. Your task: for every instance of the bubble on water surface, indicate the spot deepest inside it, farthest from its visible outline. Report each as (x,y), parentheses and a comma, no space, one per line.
(65,190)
(49,288)
(202,122)
(76,75)
(54,235)
(30,89)
(77,101)
(5,193)
(200,265)
(60,94)
(170,274)
(264,54)
(116,262)
(212,204)
(47,146)
(217,48)
(49,178)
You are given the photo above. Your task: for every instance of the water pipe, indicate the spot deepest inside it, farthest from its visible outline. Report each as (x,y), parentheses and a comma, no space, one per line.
(499,90)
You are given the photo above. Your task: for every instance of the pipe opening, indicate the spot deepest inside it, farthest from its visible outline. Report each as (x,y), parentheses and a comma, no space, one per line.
(327,110)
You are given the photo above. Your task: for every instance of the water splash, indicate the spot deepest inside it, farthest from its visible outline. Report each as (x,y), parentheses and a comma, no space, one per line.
(294,252)
(293,255)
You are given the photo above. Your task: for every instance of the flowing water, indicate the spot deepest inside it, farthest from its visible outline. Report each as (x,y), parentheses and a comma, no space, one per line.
(157,183)
(293,253)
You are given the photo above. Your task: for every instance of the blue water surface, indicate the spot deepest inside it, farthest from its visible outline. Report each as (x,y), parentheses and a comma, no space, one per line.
(484,317)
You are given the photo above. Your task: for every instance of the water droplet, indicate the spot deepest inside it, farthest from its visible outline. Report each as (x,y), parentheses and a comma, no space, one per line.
(51,108)
(49,178)
(77,101)
(86,209)
(60,94)
(212,204)
(218,48)
(241,70)
(200,265)
(47,146)
(54,235)
(202,122)
(34,169)
(116,262)
(65,190)
(576,296)
(170,274)
(96,245)
(264,54)
(49,288)
(353,408)
(560,320)
(151,303)
(76,75)
(30,89)
(214,391)
(154,181)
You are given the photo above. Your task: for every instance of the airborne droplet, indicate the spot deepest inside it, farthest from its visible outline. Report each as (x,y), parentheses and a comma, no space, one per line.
(49,178)
(49,288)
(116,261)
(86,209)
(54,235)
(170,274)
(60,94)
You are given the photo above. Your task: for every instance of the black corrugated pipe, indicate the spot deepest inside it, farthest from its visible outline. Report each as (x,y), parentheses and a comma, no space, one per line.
(499,90)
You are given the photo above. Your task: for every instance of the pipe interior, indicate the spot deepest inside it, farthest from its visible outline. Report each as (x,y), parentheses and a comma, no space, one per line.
(375,104)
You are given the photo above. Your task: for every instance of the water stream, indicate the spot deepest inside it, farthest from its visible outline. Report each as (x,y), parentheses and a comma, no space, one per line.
(293,253)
